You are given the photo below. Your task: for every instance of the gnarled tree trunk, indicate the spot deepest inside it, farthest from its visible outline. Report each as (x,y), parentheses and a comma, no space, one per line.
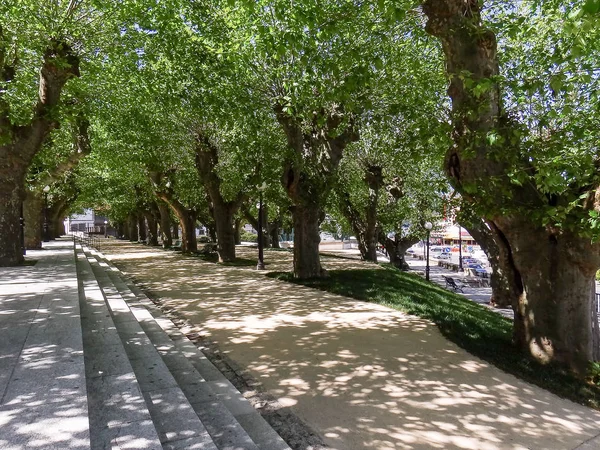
(308,178)
(186,217)
(187,221)
(274,233)
(132,228)
(21,143)
(551,269)
(236,230)
(165,224)
(207,158)
(307,263)
(142,231)
(152,236)
(504,292)
(33,217)
(396,248)
(365,228)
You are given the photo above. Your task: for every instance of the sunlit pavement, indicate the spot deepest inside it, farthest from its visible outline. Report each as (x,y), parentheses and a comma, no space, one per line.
(362,375)
(43,401)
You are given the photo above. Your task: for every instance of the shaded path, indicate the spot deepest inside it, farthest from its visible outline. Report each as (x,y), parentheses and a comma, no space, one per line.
(364,376)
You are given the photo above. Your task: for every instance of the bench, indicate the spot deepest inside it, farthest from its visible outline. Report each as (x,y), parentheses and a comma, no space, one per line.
(450,283)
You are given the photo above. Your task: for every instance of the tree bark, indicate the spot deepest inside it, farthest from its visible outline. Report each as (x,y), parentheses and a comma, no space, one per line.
(307,263)
(224,211)
(175,231)
(21,143)
(212,232)
(165,224)
(224,225)
(504,292)
(551,269)
(308,178)
(396,248)
(365,229)
(132,225)
(33,217)
(152,236)
(274,233)
(142,230)
(187,221)
(237,234)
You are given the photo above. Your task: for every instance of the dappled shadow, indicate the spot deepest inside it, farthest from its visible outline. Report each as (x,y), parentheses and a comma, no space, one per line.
(361,374)
(42,380)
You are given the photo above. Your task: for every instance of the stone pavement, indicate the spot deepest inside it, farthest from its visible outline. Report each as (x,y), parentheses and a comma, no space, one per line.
(88,362)
(43,399)
(362,375)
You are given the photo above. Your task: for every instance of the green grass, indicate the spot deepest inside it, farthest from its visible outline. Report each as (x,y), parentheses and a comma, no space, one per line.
(473,327)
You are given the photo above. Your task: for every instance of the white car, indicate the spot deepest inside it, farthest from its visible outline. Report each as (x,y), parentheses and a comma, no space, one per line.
(444,256)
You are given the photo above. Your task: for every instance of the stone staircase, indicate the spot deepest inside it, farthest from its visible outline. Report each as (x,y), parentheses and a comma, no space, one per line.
(148,386)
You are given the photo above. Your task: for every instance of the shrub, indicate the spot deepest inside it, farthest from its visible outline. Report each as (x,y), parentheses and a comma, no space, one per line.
(248,237)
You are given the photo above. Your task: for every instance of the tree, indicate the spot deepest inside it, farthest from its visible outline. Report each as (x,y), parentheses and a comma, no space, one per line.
(313,66)
(538,215)
(20,142)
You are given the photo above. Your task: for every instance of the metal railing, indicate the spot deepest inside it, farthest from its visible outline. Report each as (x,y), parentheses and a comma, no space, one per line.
(85,238)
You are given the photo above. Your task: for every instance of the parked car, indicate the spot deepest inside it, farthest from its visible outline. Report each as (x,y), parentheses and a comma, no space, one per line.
(444,256)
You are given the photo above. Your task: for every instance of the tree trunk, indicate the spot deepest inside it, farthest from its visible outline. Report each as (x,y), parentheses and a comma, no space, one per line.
(307,263)
(11,196)
(175,232)
(212,232)
(223,211)
(142,231)
(189,243)
(224,223)
(20,144)
(33,214)
(236,231)
(152,229)
(309,175)
(132,226)
(396,248)
(274,233)
(187,220)
(504,294)
(552,269)
(555,318)
(56,217)
(165,224)
(122,231)
(59,227)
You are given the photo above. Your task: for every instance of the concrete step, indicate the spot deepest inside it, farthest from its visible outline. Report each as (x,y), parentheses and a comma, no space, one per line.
(118,415)
(175,420)
(228,416)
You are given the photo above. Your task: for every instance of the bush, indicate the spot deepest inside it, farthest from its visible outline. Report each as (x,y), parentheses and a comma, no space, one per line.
(248,237)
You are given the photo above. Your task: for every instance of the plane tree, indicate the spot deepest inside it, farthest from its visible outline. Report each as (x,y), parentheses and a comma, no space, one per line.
(535,186)
(313,65)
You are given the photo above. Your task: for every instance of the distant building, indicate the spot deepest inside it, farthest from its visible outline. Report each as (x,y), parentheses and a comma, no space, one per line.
(89,222)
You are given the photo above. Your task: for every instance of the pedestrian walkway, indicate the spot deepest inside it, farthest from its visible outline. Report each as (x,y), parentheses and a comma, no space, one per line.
(87,363)
(43,399)
(361,375)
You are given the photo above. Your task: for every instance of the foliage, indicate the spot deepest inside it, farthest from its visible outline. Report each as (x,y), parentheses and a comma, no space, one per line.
(245,236)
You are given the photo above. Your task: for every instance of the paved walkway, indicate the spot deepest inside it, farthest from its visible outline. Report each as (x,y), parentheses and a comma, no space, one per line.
(362,375)
(43,401)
